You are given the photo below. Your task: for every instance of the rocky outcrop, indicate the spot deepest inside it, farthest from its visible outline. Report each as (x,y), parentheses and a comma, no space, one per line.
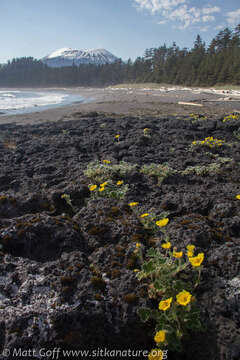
(66,267)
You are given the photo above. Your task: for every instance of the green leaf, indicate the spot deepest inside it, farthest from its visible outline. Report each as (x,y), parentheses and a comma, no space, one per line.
(161,320)
(148,267)
(174,342)
(144,314)
(151,252)
(184,276)
(158,285)
(194,325)
(179,285)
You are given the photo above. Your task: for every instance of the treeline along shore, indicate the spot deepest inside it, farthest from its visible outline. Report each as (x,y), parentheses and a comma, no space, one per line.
(219,63)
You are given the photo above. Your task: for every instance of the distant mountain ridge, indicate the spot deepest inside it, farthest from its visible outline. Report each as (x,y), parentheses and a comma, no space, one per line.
(68,57)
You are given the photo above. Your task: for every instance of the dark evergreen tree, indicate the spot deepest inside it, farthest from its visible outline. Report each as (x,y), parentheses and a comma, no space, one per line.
(220,63)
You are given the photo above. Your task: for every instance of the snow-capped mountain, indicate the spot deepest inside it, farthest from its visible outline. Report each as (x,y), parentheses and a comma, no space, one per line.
(68,57)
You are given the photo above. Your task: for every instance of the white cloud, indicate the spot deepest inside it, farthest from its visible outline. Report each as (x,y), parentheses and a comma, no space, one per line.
(158,5)
(233,17)
(179,11)
(184,15)
(211,10)
(207,18)
(161,22)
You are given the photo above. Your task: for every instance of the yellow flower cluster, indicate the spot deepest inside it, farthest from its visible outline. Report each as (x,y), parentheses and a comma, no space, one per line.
(197,260)
(102,186)
(160,336)
(183,298)
(209,141)
(238,196)
(106,161)
(178,254)
(231,117)
(120,182)
(159,223)
(144,215)
(162,223)
(190,250)
(165,304)
(166,245)
(194,260)
(131,204)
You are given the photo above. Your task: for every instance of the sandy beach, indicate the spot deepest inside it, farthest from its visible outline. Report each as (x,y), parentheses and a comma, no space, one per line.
(138,102)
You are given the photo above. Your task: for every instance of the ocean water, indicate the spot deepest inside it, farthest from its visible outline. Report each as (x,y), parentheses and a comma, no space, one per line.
(25,101)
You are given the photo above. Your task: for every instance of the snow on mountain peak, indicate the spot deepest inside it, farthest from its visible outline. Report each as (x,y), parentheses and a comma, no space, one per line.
(68,57)
(59,52)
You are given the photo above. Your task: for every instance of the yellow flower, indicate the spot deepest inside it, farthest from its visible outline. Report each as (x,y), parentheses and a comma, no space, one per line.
(238,197)
(106,162)
(190,254)
(146,129)
(162,223)
(177,254)
(117,136)
(155,354)
(197,260)
(92,187)
(103,184)
(102,188)
(191,248)
(165,304)
(166,245)
(184,298)
(160,336)
(138,245)
(120,182)
(136,270)
(133,203)
(144,215)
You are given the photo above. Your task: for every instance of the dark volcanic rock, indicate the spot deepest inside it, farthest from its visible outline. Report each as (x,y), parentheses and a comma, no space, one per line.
(42,238)
(66,263)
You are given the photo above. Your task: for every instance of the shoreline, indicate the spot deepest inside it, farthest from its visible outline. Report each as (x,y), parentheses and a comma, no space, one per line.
(133,101)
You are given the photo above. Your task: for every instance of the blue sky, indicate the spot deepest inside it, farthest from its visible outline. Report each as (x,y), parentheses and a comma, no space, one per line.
(124,27)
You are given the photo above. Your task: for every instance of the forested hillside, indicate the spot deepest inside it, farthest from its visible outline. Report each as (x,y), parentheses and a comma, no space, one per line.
(219,63)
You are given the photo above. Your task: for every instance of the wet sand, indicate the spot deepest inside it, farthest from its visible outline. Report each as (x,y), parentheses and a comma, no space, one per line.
(135,101)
